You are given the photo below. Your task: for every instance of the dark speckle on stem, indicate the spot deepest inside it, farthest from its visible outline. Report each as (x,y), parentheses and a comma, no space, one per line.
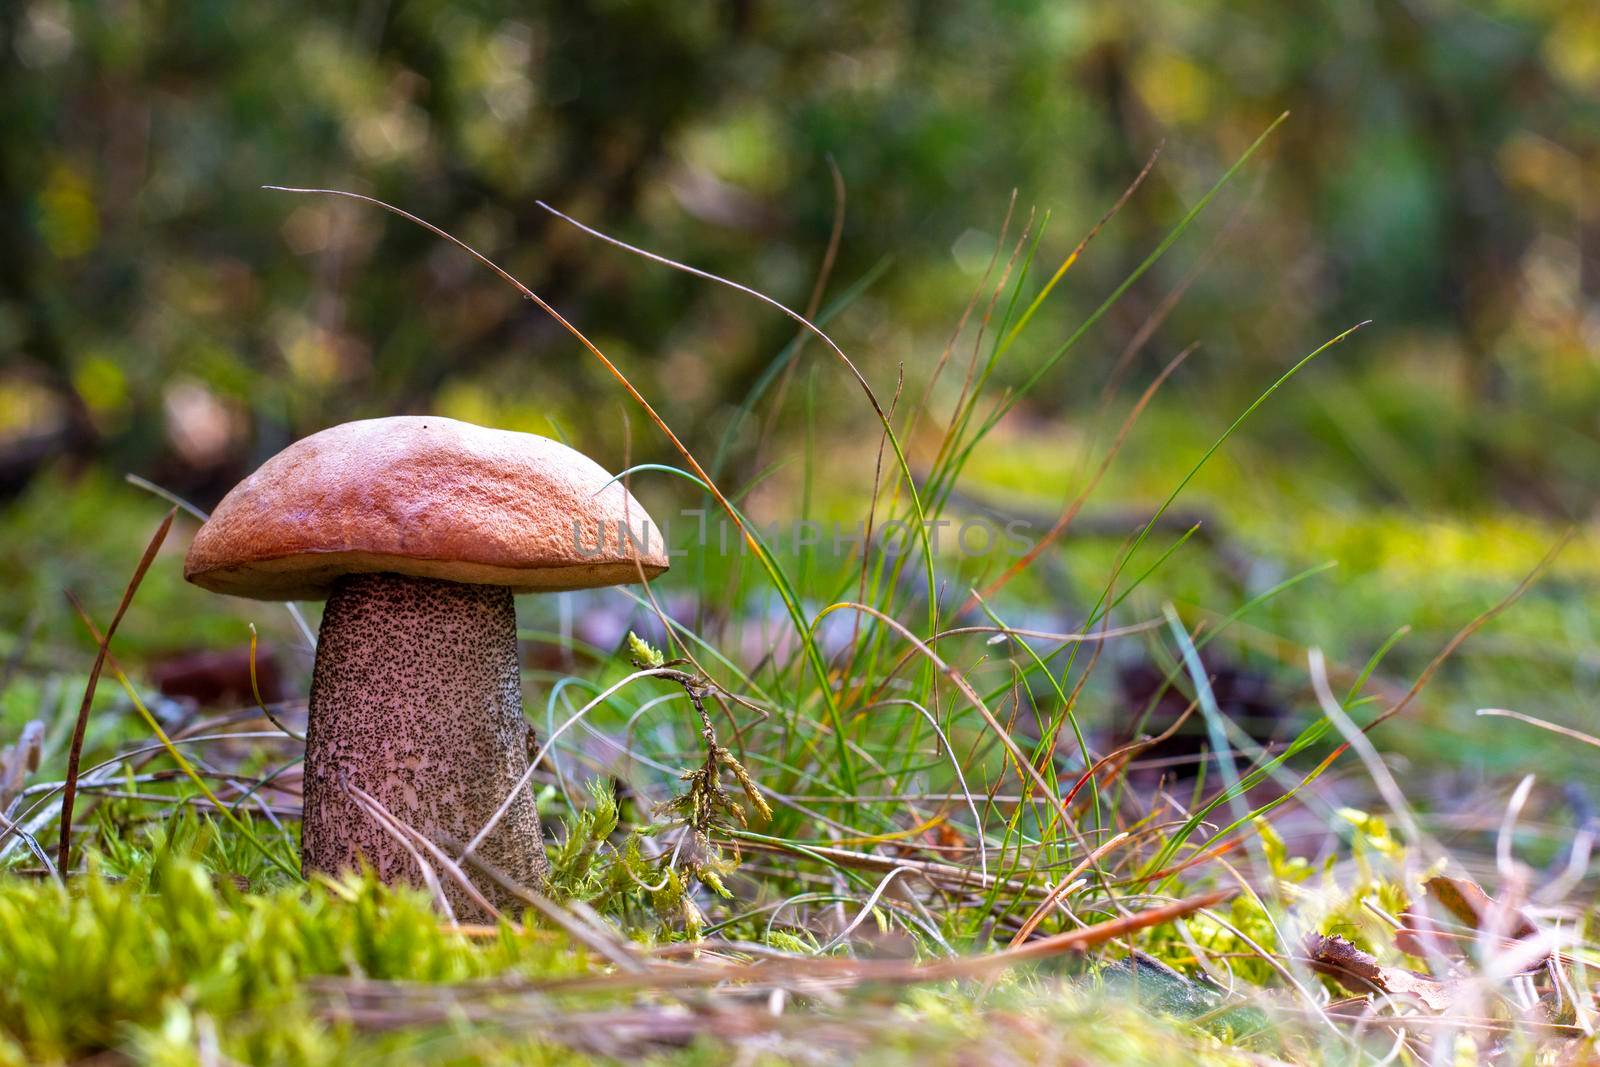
(416,698)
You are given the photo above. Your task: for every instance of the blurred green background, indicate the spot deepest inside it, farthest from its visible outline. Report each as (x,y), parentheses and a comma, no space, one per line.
(161,314)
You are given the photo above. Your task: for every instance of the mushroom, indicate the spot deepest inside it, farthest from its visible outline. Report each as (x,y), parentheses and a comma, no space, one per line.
(418,531)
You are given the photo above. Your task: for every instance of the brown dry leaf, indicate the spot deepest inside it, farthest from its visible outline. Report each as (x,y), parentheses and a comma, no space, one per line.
(1467,901)
(1474,909)
(1360,972)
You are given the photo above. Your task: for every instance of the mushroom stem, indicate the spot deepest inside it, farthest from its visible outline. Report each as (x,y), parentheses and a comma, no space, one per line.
(417,699)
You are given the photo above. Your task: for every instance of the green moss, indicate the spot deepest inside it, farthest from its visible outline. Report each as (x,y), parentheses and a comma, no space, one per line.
(112,964)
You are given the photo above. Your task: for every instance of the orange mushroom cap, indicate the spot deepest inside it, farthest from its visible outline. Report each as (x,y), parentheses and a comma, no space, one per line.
(428,497)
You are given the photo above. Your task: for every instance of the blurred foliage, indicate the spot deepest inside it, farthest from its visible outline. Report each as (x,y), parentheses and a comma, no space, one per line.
(160,310)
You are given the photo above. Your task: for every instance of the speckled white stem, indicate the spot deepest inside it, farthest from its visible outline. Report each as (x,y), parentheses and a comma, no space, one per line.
(416,698)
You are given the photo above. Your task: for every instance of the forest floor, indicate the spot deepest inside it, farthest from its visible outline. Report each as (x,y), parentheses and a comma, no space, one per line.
(1280,750)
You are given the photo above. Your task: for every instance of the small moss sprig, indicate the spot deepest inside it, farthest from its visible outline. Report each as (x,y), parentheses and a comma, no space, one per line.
(705,804)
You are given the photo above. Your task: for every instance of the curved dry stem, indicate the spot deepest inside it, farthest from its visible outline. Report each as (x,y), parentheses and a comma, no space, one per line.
(754,544)
(966,312)
(966,689)
(533,764)
(605,361)
(955,764)
(1054,534)
(817,331)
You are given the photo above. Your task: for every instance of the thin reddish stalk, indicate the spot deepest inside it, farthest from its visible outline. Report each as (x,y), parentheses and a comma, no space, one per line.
(69,792)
